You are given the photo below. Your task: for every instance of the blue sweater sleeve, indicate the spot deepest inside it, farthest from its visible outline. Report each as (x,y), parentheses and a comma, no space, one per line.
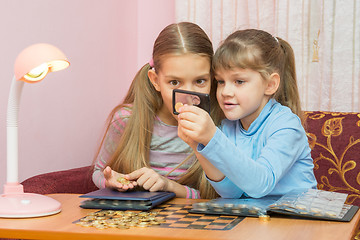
(254,177)
(223,187)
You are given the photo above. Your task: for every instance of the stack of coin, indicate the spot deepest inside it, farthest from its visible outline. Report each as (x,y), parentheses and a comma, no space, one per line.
(120,219)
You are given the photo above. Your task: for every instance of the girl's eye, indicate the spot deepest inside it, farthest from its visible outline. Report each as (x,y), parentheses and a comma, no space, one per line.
(174,83)
(219,82)
(200,81)
(239,82)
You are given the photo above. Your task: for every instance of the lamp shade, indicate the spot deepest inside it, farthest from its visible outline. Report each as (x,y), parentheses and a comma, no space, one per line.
(35,61)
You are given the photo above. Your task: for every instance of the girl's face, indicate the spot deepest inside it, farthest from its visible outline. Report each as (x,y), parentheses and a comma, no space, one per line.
(188,72)
(242,94)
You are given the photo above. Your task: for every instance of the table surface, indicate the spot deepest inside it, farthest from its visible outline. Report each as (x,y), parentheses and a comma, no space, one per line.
(61,226)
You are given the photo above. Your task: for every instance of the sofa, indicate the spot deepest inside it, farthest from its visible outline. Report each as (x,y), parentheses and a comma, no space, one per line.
(334,138)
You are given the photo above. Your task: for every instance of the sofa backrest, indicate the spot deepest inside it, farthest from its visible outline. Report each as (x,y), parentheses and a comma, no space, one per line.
(334,138)
(76,180)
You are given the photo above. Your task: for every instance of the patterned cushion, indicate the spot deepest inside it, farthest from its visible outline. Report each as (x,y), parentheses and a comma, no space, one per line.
(334,138)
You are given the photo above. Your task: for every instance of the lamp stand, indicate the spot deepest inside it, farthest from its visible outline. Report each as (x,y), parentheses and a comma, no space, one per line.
(14,203)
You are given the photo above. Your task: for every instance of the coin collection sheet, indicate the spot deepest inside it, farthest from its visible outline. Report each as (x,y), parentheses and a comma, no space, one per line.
(305,203)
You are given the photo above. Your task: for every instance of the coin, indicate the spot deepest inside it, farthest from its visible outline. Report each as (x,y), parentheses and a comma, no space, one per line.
(178,105)
(123,227)
(123,180)
(143,224)
(201,206)
(264,218)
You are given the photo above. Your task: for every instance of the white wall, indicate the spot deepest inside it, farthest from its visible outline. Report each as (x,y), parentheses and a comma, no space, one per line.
(62,117)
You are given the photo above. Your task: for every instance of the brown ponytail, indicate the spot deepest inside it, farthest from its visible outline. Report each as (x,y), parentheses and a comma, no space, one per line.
(288,93)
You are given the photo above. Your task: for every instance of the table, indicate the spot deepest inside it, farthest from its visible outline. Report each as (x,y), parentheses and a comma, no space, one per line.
(61,226)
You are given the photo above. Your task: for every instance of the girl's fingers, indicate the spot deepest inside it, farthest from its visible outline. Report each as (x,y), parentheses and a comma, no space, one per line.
(188,117)
(111,178)
(135,174)
(143,179)
(107,172)
(149,183)
(159,185)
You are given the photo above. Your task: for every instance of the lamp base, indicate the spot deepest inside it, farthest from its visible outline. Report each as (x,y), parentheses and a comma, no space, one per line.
(27,205)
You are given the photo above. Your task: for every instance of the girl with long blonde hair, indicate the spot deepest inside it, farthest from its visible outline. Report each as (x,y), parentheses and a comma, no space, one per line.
(141,142)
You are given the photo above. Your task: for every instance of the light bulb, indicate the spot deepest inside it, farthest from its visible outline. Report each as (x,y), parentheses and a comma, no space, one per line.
(37,73)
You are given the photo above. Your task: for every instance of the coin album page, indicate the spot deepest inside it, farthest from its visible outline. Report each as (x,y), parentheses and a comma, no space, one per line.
(304,203)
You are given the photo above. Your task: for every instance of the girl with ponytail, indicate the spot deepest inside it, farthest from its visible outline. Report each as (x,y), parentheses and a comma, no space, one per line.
(141,141)
(261,147)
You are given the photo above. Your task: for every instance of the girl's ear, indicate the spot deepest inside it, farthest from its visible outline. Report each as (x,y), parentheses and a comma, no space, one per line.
(154,79)
(272,84)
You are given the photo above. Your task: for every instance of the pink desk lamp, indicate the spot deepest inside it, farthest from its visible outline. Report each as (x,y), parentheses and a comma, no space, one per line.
(31,66)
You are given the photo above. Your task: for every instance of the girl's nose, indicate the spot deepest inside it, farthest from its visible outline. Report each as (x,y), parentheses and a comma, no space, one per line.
(227,90)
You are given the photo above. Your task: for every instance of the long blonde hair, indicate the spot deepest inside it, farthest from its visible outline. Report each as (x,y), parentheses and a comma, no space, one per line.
(261,52)
(133,149)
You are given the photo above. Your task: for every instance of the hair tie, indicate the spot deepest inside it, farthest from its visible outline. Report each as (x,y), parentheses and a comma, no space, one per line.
(151,63)
(276,40)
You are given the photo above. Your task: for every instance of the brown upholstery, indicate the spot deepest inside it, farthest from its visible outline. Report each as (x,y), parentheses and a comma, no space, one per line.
(334,138)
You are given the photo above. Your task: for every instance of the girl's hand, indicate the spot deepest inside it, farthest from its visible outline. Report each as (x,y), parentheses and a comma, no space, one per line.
(111,180)
(195,125)
(149,179)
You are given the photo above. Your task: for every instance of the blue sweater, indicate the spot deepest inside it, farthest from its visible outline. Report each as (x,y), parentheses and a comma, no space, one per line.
(271,158)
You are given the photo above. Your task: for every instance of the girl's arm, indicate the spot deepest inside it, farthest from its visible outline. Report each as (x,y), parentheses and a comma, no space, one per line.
(196,126)
(212,173)
(109,146)
(222,185)
(280,149)
(182,191)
